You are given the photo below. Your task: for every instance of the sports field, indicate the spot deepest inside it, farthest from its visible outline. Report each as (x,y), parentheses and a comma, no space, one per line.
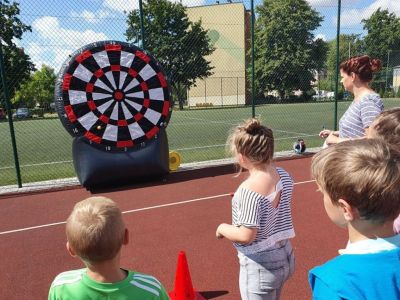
(44,146)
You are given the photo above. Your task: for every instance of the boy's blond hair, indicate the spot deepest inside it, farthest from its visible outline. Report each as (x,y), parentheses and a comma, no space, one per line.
(252,140)
(95,229)
(387,126)
(365,173)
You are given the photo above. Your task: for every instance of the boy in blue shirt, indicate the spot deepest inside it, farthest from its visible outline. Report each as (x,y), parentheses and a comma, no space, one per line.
(360,183)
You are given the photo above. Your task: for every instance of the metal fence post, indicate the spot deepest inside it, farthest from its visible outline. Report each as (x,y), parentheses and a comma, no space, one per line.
(205,90)
(237,91)
(253,110)
(387,69)
(9,113)
(142,24)
(337,66)
(222,96)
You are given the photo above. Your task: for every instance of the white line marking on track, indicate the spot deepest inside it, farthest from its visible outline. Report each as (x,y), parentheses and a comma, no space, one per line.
(136,210)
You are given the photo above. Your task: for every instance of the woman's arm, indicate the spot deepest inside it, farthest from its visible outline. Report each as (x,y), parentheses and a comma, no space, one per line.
(241,234)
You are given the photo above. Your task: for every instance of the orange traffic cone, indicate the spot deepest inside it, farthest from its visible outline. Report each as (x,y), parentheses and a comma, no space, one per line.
(183,289)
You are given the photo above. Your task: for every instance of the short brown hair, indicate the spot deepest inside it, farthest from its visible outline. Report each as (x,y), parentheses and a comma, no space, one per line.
(363,66)
(365,173)
(387,126)
(95,229)
(252,140)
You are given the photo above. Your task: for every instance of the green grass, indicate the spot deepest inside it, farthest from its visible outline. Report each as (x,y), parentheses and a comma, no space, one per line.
(44,146)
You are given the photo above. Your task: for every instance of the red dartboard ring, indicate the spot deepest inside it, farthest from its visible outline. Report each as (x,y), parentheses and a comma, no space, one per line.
(113,94)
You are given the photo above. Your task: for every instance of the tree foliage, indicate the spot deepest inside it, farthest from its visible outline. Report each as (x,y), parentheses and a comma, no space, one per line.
(39,89)
(383,33)
(286,51)
(383,36)
(177,43)
(349,45)
(17,64)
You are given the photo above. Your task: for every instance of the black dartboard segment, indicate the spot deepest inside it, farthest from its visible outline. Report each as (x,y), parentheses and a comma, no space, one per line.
(113,94)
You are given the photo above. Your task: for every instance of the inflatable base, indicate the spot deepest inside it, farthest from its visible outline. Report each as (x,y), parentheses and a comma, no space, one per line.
(96,168)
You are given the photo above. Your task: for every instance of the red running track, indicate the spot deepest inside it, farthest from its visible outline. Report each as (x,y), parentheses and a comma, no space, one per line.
(162,221)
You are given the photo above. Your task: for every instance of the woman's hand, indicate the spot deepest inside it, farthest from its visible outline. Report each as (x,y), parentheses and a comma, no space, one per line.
(333,138)
(325,133)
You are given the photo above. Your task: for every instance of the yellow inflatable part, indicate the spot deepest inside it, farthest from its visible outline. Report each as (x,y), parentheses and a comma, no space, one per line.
(174,160)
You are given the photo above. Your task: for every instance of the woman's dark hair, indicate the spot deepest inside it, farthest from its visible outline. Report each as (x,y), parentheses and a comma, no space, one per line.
(362,66)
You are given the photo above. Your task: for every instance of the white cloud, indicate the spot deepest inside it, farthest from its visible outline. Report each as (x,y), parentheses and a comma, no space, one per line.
(122,6)
(320,36)
(331,3)
(90,16)
(56,42)
(354,16)
(190,3)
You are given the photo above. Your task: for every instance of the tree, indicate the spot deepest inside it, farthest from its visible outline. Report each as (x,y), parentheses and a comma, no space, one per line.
(349,45)
(383,33)
(177,43)
(285,48)
(383,36)
(39,89)
(17,64)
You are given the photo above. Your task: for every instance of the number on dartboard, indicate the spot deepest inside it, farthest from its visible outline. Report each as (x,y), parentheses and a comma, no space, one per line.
(114,95)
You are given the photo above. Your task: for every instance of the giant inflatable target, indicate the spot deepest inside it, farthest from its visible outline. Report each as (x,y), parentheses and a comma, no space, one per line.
(114,99)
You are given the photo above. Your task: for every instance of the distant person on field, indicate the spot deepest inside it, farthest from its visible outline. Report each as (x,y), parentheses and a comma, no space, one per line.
(95,234)
(387,127)
(261,215)
(360,183)
(356,76)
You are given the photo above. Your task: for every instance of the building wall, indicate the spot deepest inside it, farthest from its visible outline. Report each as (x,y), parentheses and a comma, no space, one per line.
(396,78)
(226,25)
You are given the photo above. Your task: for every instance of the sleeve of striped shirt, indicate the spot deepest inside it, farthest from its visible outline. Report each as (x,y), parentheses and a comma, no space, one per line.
(249,209)
(370,109)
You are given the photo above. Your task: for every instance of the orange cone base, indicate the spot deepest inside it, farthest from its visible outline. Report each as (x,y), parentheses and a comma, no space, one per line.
(190,296)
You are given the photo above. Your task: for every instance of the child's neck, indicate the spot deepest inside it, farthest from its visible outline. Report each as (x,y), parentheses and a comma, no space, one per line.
(106,271)
(362,230)
(255,170)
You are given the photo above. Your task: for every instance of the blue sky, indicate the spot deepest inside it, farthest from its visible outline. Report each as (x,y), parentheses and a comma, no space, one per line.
(62,26)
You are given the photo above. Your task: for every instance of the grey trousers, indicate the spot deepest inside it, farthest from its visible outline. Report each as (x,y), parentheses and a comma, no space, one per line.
(263,274)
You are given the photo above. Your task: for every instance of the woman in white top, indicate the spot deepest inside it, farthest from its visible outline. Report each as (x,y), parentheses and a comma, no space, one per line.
(356,76)
(261,215)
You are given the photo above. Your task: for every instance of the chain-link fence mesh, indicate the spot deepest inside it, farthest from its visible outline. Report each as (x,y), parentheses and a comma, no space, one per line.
(205,49)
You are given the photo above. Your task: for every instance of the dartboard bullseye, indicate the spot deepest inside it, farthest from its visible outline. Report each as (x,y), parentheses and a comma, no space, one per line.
(113,94)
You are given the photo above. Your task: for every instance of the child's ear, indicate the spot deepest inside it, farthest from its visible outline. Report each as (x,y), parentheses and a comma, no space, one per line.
(349,212)
(126,237)
(70,250)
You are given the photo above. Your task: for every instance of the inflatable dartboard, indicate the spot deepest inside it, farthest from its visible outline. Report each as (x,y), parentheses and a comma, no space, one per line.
(114,95)
(114,99)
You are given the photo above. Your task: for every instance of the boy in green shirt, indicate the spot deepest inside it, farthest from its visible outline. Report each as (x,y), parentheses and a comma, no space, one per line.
(95,234)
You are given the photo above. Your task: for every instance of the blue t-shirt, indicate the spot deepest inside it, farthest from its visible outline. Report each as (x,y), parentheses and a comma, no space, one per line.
(374,276)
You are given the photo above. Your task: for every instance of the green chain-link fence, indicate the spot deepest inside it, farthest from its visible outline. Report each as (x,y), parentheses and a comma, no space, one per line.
(205,47)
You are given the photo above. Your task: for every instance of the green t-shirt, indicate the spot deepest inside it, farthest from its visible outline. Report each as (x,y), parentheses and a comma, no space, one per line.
(77,285)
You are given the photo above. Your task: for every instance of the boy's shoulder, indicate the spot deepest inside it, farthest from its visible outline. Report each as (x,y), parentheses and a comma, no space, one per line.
(68,277)
(136,284)
(346,261)
(354,270)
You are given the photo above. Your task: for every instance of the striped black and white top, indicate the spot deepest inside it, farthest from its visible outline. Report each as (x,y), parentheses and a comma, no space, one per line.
(254,210)
(360,115)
